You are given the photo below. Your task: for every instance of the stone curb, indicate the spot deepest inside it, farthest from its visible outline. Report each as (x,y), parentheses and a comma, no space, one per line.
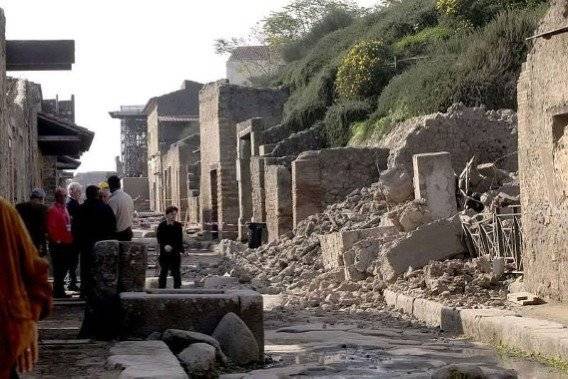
(493,326)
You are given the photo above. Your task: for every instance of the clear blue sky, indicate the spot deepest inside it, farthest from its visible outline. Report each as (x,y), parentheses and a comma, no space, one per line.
(128,51)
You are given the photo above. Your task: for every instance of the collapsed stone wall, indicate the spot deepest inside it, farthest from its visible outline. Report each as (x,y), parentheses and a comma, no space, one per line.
(461,131)
(324,177)
(543,152)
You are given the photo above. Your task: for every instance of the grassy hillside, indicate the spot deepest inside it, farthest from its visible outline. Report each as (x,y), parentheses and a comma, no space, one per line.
(360,74)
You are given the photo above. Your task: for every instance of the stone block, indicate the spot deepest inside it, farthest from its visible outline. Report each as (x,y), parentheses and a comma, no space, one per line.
(334,245)
(404,303)
(199,310)
(437,240)
(390,297)
(434,181)
(144,359)
(132,267)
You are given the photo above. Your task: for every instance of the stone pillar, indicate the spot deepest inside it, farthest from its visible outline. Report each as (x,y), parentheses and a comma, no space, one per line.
(257,184)
(434,181)
(116,267)
(244,181)
(279,215)
(306,189)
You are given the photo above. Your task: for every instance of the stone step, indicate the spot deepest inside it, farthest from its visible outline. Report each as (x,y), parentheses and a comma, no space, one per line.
(66,342)
(73,302)
(58,333)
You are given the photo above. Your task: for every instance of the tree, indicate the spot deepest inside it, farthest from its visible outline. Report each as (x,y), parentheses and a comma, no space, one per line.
(297,18)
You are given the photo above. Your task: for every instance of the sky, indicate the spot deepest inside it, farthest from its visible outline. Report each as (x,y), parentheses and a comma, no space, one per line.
(127,51)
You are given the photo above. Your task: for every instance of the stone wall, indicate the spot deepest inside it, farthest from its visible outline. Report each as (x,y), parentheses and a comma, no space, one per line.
(222,107)
(4,173)
(461,131)
(543,152)
(296,143)
(178,163)
(23,172)
(137,187)
(324,177)
(279,216)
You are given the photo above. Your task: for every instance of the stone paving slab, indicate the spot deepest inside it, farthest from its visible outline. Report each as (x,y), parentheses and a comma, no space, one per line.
(495,326)
(144,359)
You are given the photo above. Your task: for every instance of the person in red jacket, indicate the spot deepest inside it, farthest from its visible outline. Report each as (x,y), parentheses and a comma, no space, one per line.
(25,294)
(60,241)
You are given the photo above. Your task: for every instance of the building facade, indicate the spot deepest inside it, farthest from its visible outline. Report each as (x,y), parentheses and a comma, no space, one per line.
(543,157)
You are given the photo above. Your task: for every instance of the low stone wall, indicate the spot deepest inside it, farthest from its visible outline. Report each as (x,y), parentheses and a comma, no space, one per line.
(324,177)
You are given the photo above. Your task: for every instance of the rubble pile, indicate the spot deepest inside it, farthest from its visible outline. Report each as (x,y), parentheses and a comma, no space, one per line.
(456,282)
(295,260)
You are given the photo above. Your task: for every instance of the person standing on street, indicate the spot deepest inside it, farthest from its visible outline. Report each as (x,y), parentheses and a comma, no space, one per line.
(123,208)
(25,295)
(170,239)
(75,193)
(60,241)
(95,222)
(34,215)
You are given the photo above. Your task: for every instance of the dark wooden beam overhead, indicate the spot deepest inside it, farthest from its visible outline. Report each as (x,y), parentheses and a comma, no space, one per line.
(38,55)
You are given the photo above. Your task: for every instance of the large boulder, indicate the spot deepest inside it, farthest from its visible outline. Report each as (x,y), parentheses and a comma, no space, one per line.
(198,360)
(178,340)
(236,340)
(438,240)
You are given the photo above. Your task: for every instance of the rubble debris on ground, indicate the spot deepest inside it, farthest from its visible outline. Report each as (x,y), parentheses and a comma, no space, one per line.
(343,259)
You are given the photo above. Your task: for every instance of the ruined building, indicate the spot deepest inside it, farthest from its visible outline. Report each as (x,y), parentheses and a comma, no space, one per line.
(543,157)
(222,107)
(249,62)
(173,148)
(39,140)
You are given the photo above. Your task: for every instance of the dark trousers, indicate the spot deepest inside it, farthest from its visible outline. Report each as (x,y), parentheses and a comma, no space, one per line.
(170,263)
(61,256)
(125,235)
(85,266)
(73,265)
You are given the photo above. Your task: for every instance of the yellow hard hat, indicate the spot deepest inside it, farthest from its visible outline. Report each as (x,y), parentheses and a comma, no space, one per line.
(103,185)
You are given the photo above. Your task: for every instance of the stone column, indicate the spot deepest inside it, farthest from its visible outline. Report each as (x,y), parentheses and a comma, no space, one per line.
(434,181)
(244,181)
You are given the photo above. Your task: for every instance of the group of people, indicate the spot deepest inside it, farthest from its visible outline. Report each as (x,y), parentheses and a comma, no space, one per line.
(69,229)
(67,232)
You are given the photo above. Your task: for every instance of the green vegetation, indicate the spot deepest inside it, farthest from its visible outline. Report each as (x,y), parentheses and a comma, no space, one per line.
(512,352)
(361,72)
(364,71)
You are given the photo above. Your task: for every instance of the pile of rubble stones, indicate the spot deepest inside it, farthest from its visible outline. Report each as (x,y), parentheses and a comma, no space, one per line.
(293,264)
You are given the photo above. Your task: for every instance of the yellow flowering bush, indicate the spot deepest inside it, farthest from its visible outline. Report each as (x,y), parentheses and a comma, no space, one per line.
(363,71)
(448,7)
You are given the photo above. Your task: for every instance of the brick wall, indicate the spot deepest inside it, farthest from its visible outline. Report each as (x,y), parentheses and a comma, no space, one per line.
(543,152)
(324,177)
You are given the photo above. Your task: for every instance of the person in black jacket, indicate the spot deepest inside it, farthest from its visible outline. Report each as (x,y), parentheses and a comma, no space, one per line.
(170,239)
(34,214)
(95,221)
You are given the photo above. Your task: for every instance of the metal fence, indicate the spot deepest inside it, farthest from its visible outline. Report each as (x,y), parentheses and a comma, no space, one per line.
(497,235)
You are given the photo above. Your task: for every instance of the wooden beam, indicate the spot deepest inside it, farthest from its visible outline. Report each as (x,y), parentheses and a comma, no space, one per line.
(39,55)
